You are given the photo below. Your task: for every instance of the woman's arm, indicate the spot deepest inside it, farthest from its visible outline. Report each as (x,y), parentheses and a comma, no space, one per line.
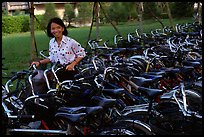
(44,61)
(74,63)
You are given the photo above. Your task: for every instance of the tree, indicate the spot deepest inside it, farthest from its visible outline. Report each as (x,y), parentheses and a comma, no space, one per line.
(117,12)
(130,9)
(102,17)
(69,14)
(85,12)
(33,48)
(169,14)
(49,13)
(150,9)
(181,9)
(153,12)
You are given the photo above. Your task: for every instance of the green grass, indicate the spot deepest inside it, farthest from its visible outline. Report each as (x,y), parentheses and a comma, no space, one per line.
(16,47)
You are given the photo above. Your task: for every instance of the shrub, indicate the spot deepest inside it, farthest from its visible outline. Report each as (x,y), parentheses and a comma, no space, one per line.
(16,24)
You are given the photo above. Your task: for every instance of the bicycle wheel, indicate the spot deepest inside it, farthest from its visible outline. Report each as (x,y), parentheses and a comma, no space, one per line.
(174,121)
(194,101)
(127,127)
(162,119)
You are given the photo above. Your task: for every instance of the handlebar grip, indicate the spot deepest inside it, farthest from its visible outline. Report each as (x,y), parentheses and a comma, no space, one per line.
(32,66)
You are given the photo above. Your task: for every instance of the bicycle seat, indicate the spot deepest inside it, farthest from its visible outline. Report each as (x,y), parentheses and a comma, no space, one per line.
(156,73)
(93,110)
(104,102)
(140,81)
(192,63)
(150,93)
(170,70)
(72,118)
(116,92)
(72,110)
(149,76)
(81,109)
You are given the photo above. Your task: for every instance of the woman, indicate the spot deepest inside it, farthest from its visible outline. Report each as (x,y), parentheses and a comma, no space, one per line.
(62,49)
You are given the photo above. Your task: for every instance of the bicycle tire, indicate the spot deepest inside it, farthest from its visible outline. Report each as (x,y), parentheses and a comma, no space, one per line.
(180,124)
(127,127)
(194,101)
(166,119)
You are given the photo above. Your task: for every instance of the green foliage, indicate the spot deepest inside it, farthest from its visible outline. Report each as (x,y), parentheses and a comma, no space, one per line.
(37,24)
(17,12)
(85,12)
(127,11)
(4,12)
(49,13)
(26,24)
(16,24)
(102,17)
(117,12)
(12,24)
(150,8)
(69,14)
(131,10)
(181,9)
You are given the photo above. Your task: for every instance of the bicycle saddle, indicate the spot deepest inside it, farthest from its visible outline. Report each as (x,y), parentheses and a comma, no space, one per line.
(192,63)
(81,109)
(72,118)
(150,93)
(103,102)
(149,76)
(118,91)
(141,81)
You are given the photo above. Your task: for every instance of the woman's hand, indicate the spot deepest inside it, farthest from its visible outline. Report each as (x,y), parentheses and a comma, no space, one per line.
(70,67)
(37,63)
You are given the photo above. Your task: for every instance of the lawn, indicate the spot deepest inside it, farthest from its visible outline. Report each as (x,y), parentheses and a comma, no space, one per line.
(16,47)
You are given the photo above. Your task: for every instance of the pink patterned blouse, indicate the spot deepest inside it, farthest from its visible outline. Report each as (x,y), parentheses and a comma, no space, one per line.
(68,50)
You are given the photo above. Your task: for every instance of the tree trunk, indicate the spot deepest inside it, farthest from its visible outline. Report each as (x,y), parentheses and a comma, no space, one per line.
(169,15)
(199,12)
(158,19)
(97,21)
(33,53)
(140,12)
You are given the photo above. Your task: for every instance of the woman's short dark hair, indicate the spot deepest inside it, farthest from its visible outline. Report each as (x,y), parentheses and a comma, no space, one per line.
(57,21)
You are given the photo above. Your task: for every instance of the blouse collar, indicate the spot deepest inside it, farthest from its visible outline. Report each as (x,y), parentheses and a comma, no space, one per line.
(64,40)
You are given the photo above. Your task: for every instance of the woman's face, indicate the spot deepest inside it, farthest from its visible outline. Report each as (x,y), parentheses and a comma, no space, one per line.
(56,30)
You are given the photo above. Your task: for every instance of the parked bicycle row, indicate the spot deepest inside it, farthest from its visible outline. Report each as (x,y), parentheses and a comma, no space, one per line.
(147,84)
